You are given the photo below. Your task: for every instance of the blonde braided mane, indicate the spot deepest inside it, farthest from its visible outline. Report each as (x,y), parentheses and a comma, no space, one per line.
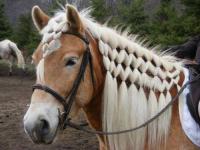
(132,70)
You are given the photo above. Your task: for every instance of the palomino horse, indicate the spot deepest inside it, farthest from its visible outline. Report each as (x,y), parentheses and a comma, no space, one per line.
(123,86)
(9,51)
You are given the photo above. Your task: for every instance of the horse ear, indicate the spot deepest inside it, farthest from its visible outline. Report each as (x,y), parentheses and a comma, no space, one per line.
(40,19)
(73,18)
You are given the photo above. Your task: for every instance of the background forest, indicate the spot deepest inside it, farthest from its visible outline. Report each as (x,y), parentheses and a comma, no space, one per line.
(166,25)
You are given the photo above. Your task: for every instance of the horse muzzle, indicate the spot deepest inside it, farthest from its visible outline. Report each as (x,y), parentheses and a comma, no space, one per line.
(41,124)
(40,132)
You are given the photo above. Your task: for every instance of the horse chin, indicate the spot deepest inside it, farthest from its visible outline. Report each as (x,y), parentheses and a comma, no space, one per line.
(42,139)
(50,139)
(43,142)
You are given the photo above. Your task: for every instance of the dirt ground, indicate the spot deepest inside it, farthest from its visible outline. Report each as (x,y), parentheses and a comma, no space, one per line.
(15,94)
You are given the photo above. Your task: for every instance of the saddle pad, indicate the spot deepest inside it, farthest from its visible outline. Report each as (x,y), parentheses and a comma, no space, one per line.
(190,127)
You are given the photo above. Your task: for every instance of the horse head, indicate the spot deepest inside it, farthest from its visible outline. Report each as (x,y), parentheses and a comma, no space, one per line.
(58,59)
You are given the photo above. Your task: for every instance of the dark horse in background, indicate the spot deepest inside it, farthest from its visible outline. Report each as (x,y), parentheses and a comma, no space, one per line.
(190,51)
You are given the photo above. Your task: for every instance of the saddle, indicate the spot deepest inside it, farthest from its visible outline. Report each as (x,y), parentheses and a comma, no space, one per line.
(193,97)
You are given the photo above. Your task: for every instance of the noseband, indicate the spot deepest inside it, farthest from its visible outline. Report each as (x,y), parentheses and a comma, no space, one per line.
(68,100)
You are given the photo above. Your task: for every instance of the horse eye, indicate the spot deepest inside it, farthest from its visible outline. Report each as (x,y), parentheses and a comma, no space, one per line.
(71,62)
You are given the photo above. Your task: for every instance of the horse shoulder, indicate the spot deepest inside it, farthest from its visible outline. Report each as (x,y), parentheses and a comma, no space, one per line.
(177,139)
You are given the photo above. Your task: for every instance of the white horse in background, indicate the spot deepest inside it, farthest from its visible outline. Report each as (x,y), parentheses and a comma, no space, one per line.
(9,52)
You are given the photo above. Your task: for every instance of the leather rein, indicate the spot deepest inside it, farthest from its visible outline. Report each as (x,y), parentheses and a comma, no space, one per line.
(67,101)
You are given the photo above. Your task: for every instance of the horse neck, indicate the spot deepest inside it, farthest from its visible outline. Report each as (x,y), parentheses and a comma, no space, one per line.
(137,78)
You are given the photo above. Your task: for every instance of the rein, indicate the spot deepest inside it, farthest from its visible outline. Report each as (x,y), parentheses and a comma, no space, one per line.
(67,102)
(80,127)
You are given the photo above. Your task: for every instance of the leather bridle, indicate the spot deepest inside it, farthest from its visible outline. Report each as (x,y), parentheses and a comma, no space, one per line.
(68,100)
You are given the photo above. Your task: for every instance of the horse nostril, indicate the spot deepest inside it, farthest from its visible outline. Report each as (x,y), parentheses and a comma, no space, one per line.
(44,127)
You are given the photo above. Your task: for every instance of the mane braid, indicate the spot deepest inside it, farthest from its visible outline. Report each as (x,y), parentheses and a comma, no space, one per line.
(135,76)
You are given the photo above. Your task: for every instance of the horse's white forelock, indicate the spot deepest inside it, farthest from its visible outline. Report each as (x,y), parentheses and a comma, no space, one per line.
(127,106)
(40,71)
